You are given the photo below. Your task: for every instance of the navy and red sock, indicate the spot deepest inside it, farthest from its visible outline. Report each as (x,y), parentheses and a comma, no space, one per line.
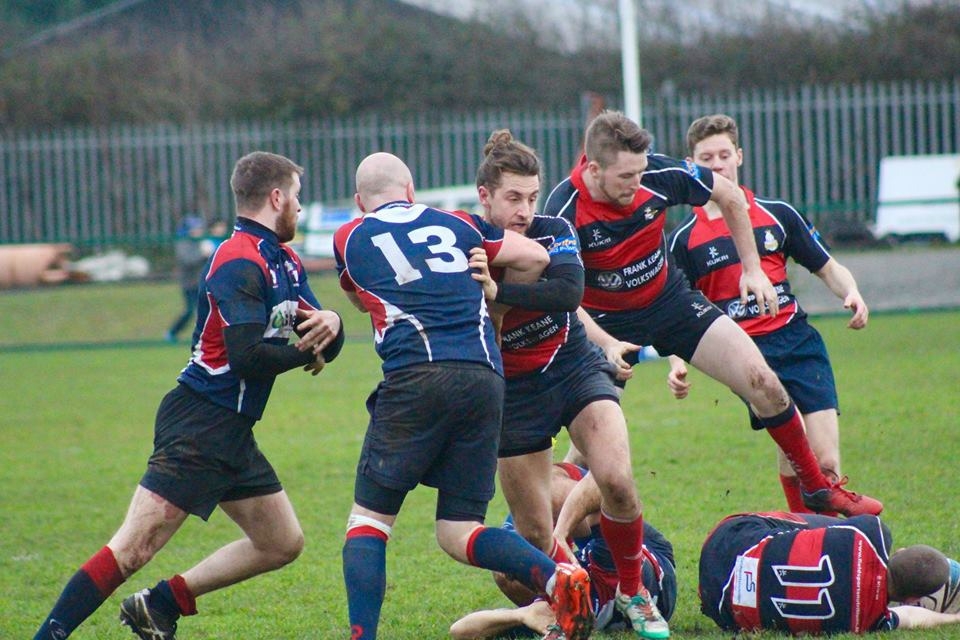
(83,594)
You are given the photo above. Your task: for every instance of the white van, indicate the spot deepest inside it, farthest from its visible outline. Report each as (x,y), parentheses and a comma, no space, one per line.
(918,196)
(462,197)
(321,221)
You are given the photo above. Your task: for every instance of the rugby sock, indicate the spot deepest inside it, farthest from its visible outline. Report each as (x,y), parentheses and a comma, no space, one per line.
(573,471)
(786,429)
(173,598)
(558,553)
(625,540)
(365,574)
(791,490)
(89,587)
(505,551)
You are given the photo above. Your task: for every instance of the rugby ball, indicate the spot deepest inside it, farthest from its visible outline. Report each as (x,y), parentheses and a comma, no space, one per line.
(946,599)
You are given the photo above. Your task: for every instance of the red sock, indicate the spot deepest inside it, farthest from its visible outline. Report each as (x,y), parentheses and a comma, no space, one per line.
(787,431)
(104,571)
(558,553)
(625,540)
(791,489)
(181,593)
(573,471)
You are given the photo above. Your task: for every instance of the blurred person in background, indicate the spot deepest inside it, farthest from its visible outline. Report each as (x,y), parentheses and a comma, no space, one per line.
(190,253)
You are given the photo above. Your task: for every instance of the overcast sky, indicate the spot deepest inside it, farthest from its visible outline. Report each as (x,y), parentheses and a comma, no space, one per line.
(706,14)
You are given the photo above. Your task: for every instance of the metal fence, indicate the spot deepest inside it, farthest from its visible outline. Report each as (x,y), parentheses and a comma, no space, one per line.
(816,146)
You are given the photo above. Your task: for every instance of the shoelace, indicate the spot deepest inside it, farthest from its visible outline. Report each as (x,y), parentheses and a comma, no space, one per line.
(839,485)
(646,609)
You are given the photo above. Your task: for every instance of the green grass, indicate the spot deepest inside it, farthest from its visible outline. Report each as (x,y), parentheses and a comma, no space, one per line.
(76,429)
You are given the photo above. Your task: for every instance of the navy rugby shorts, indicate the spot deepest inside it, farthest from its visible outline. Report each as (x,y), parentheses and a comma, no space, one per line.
(204,454)
(798,356)
(436,424)
(538,404)
(673,323)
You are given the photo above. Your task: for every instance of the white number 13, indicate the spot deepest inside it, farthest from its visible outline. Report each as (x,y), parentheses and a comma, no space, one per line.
(445,246)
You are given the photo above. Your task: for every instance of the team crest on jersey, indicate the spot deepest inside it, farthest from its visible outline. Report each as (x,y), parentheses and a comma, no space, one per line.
(610,280)
(769,241)
(649,213)
(692,168)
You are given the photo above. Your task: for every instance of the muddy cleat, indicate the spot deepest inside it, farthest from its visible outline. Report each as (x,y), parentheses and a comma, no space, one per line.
(146,622)
(554,632)
(836,498)
(571,602)
(643,615)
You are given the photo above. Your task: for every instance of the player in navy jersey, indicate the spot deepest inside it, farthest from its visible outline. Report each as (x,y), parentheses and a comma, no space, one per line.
(813,574)
(556,377)
(435,417)
(254,295)
(616,199)
(576,495)
(702,248)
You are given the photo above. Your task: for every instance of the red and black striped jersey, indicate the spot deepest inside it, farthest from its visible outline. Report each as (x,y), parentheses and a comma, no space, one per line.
(532,341)
(703,249)
(623,249)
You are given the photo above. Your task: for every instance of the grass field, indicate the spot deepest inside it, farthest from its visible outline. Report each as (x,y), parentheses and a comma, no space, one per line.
(76,428)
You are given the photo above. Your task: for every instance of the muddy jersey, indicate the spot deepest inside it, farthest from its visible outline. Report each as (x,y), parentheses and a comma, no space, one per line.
(251,278)
(704,250)
(790,573)
(408,264)
(537,340)
(623,249)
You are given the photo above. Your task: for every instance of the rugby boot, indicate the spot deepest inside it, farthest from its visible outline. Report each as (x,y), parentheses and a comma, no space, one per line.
(554,632)
(146,621)
(836,498)
(570,600)
(643,615)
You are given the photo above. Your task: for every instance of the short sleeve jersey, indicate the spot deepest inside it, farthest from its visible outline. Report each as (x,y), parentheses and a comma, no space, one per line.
(623,249)
(704,250)
(251,279)
(408,264)
(816,580)
(534,341)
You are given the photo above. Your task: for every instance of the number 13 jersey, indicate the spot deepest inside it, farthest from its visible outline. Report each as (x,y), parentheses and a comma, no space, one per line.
(408,264)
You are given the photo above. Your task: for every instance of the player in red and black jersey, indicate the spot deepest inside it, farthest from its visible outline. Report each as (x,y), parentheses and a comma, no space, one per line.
(616,198)
(556,377)
(813,574)
(253,296)
(702,247)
